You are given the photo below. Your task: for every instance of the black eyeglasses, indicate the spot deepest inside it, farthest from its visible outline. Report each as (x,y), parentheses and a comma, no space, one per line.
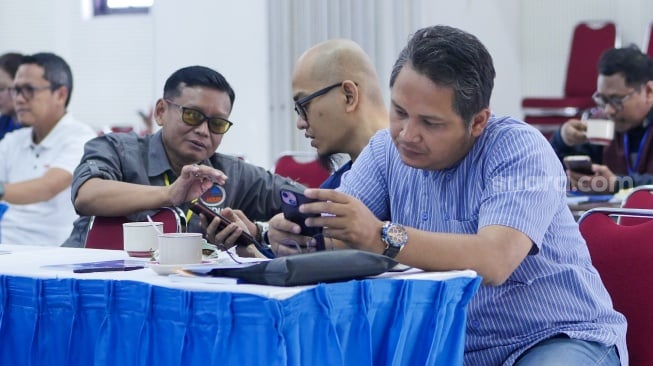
(301,104)
(27,91)
(615,102)
(193,117)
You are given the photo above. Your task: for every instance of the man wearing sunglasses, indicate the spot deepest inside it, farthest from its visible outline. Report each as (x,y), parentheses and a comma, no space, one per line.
(37,162)
(123,174)
(625,95)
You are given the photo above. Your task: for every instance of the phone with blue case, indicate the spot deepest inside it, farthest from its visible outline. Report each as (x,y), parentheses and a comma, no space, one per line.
(292,197)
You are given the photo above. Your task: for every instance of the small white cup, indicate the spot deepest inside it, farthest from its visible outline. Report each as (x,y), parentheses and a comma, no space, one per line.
(180,248)
(141,239)
(600,131)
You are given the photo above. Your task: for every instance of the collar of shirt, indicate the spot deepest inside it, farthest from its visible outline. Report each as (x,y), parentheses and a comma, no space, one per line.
(52,138)
(158,163)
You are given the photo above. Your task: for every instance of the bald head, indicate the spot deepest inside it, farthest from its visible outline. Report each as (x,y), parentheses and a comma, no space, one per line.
(336,60)
(341,100)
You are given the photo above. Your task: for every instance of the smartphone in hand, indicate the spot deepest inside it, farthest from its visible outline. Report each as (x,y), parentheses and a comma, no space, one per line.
(579,163)
(291,198)
(200,208)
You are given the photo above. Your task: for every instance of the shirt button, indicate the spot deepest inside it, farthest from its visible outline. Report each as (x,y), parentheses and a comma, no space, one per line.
(446,216)
(475,323)
(448,176)
(425,216)
(425,173)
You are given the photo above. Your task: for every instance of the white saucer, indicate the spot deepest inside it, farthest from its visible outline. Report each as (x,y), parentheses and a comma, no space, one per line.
(167,269)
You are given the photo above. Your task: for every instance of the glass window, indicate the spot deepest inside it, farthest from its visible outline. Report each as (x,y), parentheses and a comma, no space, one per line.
(109,7)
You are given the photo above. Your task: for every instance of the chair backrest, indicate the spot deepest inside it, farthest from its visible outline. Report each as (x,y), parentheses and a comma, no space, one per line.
(303,167)
(590,39)
(640,197)
(623,256)
(106,232)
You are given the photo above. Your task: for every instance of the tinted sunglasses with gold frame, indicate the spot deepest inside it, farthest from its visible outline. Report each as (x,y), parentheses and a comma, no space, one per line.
(193,117)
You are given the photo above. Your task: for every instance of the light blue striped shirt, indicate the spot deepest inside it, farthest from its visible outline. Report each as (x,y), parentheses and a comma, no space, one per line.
(510,177)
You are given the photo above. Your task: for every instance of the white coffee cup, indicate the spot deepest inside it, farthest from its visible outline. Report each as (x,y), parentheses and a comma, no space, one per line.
(180,248)
(600,131)
(141,239)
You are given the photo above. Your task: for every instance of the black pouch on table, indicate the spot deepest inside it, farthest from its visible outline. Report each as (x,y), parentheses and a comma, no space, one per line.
(311,268)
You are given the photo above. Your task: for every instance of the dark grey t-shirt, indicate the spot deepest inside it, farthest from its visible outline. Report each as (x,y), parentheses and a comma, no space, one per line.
(129,158)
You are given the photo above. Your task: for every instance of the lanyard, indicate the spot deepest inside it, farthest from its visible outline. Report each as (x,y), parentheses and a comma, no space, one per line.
(633,170)
(189,213)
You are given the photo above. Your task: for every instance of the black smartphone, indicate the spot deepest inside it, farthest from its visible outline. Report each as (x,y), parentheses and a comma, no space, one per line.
(101,266)
(291,198)
(109,266)
(200,208)
(579,163)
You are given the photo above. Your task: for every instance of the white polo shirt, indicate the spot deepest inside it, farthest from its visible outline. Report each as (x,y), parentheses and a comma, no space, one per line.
(49,222)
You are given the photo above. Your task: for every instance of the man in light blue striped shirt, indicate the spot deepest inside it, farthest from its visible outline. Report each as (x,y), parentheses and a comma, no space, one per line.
(450,186)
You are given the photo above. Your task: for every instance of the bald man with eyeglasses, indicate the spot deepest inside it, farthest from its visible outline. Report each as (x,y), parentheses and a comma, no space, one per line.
(624,95)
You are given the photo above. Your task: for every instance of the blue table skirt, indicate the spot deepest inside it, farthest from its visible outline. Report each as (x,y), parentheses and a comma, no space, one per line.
(96,322)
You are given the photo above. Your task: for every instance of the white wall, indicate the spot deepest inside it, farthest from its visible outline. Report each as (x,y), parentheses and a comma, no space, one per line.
(496,23)
(111,57)
(228,36)
(120,63)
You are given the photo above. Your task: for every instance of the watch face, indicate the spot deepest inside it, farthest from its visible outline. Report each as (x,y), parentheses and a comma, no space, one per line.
(396,235)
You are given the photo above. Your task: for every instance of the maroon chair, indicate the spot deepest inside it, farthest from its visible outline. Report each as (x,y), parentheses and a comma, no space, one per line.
(106,232)
(640,197)
(589,41)
(623,256)
(303,167)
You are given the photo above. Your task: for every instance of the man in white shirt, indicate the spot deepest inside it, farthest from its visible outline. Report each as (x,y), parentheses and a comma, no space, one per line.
(37,162)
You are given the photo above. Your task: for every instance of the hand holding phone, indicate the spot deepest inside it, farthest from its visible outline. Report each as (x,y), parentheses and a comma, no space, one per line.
(579,163)
(291,198)
(200,208)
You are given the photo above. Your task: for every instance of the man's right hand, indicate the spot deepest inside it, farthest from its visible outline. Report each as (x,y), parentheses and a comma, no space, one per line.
(573,132)
(193,181)
(284,240)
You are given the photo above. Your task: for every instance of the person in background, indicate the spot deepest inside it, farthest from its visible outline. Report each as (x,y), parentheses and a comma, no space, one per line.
(339,104)
(8,64)
(124,174)
(625,95)
(36,168)
(450,186)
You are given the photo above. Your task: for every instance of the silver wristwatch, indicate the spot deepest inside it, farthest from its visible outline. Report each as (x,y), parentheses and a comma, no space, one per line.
(395,237)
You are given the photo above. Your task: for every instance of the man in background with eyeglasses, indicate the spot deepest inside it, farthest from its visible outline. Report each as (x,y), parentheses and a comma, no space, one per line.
(37,162)
(625,95)
(123,174)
